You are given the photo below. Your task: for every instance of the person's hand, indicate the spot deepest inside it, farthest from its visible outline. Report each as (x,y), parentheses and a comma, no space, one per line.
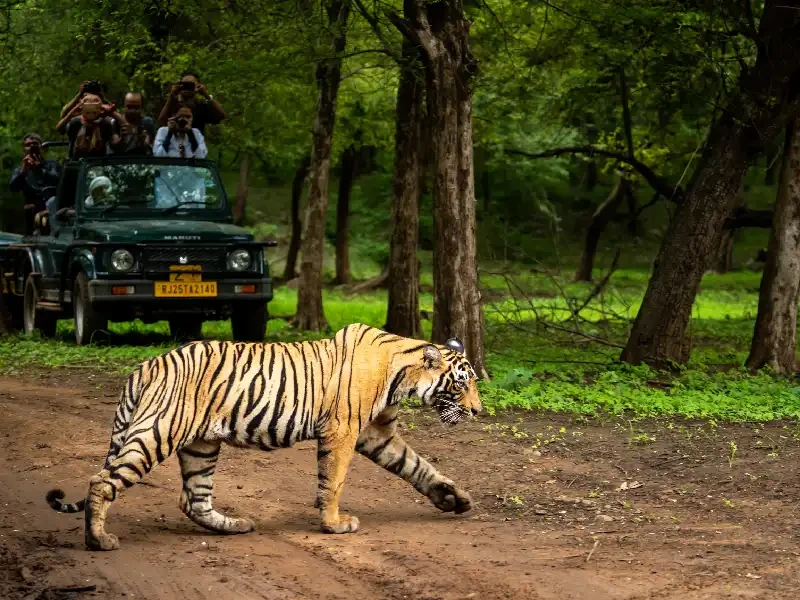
(82,88)
(172,124)
(29,207)
(29,162)
(124,126)
(175,90)
(202,90)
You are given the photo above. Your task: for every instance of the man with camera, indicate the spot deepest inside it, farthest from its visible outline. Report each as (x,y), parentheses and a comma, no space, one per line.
(36,178)
(136,129)
(185,93)
(180,139)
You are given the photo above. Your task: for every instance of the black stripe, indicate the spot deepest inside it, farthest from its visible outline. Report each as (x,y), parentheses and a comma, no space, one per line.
(272,428)
(375,453)
(414,349)
(287,438)
(198,454)
(394,385)
(397,466)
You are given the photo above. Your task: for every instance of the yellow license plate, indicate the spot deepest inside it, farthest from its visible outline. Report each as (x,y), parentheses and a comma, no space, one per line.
(175,289)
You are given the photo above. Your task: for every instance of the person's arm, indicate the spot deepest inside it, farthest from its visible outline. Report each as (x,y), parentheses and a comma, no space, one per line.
(158,144)
(169,106)
(64,122)
(18,182)
(71,104)
(202,150)
(216,113)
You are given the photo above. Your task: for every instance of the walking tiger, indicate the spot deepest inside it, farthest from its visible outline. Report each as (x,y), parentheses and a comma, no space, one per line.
(344,392)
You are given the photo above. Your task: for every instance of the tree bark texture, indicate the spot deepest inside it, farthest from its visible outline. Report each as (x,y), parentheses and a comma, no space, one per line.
(310,315)
(753,118)
(775,333)
(402,315)
(300,174)
(600,219)
(347,176)
(441,32)
(242,189)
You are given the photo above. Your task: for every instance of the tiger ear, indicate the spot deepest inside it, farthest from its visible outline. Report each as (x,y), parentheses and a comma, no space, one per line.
(432,356)
(455,344)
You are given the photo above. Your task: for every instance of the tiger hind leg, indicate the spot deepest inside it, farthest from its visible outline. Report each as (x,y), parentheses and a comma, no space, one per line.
(198,461)
(133,461)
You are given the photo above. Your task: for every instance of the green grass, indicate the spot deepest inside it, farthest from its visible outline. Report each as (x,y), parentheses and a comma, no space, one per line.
(531,369)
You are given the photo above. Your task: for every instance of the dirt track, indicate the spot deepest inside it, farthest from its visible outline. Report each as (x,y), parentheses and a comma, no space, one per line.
(696,529)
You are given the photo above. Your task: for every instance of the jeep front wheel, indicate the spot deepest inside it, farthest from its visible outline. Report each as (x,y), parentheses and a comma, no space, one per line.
(36,320)
(249,321)
(88,320)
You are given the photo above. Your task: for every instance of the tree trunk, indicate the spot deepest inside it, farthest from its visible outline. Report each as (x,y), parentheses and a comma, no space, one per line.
(752,119)
(723,258)
(348,172)
(600,219)
(441,32)
(290,272)
(310,315)
(774,337)
(402,315)
(242,189)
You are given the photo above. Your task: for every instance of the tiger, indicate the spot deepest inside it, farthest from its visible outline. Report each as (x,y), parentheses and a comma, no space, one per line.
(344,392)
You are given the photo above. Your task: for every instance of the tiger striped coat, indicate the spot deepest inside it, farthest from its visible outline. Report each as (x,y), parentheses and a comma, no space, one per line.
(344,392)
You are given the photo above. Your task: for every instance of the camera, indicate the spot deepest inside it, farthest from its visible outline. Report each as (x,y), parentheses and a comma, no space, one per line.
(90,109)
(93,87)
(182,122)
(188,86)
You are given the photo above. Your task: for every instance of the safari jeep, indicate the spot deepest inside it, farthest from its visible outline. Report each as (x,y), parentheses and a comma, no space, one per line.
(140,237)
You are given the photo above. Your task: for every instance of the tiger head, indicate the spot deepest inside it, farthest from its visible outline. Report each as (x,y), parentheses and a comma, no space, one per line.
(448,383)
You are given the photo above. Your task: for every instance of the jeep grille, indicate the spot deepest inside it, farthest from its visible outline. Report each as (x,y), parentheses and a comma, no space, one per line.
(159,259)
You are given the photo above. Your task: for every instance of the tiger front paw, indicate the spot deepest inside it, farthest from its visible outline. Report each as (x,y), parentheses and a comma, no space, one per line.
(448,498)
(346,524)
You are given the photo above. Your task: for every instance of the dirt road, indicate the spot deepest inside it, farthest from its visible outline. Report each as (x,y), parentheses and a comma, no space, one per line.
(551,521)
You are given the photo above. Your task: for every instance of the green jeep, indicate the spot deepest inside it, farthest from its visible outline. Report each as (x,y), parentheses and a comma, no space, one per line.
(139,237)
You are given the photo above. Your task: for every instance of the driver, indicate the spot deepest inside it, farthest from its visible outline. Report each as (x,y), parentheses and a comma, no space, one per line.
(99,192)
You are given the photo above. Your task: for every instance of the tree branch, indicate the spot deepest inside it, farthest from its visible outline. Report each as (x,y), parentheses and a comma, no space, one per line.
(745,217)
(658,183)
(376,29)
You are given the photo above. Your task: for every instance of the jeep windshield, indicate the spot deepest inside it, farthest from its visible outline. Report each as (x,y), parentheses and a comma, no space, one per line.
(151,188)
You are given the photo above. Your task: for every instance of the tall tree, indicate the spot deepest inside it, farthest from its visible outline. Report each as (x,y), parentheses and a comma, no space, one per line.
(402,315)
(347,174)
(775,334)
(310,315)
(300,174)
(752,118)
(441,32)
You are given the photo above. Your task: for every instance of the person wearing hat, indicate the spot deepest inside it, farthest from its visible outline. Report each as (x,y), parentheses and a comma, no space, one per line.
(99,192)
(35,178)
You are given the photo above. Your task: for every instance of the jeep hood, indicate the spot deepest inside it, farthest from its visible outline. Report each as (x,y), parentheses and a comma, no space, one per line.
(143,230)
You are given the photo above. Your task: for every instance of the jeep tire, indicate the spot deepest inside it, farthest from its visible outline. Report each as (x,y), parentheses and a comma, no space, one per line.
(33,319)
(186,328)
(89,322)
(249,321)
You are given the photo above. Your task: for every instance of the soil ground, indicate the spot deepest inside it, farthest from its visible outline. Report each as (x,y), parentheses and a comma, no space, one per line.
(553,520)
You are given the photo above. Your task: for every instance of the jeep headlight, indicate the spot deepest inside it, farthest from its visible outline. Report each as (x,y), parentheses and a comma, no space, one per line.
(239,260)
(122,260)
